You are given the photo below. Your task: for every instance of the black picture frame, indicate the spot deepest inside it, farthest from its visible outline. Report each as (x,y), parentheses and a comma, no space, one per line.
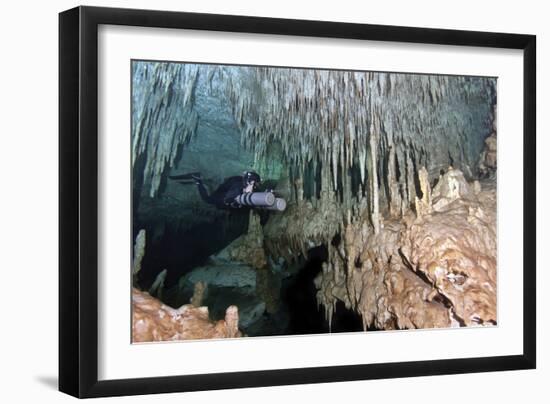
(78,200)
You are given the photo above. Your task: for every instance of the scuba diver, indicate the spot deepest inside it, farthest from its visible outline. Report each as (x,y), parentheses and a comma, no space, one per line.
(235,192)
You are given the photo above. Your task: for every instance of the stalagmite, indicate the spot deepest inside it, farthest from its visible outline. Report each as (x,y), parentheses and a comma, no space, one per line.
(249,248)
(158,285)
(139,252)
(434,270)
(154,321)
(199,291)
(455,249)
(423,206)
(370,143)
(450,187)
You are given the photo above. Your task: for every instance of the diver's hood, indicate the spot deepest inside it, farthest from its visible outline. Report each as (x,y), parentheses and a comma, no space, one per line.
(249,176)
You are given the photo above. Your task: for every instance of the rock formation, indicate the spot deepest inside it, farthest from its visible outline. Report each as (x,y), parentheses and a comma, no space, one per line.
(433,269)
(378,168)
(249,248)
(237,275)
(154,321)
(341,120)
(139,252)
(488,161)
(199,292)
(157,287)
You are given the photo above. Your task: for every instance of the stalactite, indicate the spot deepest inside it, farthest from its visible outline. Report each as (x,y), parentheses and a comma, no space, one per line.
(363,163)
(321,116)
(411,191)
(392,183)
(375,214)
(162,115)
(433,270)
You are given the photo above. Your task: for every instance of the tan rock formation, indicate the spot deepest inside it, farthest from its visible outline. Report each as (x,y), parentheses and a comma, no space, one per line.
(455,249)
(435,269)
(424,205)
(248,249)
(154,321)
(305,224)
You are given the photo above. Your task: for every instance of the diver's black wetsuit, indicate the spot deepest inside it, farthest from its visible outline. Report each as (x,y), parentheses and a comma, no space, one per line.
(224,196)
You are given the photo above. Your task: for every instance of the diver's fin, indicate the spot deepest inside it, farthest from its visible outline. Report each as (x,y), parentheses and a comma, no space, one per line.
(188,176)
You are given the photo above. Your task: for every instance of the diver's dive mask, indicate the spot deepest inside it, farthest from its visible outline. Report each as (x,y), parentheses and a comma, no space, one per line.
(251,177)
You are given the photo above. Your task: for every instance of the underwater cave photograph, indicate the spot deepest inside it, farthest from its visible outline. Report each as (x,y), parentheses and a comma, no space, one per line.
(279,201)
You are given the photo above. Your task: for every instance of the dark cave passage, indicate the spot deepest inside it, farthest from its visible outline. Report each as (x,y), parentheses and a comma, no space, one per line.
(181,250)
(299,298)
(297,313)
